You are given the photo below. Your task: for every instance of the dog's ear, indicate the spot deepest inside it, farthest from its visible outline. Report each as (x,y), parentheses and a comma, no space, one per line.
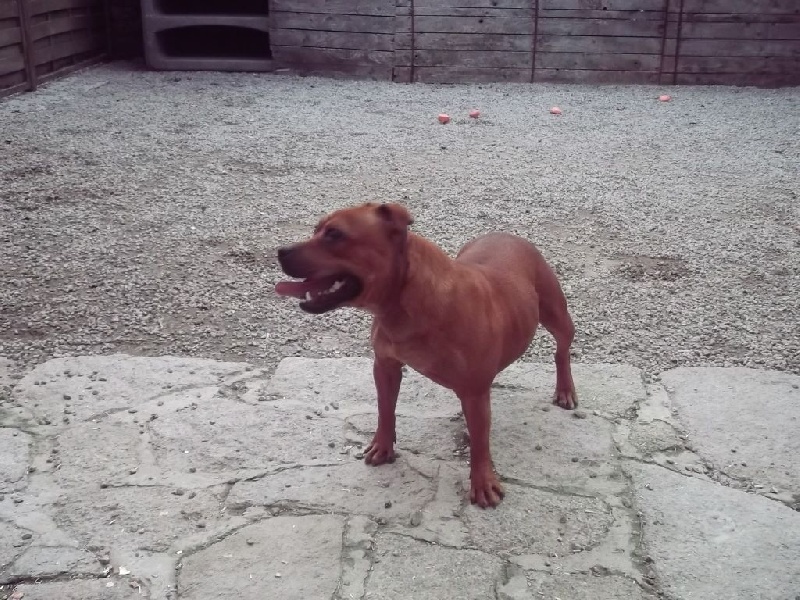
(396,216)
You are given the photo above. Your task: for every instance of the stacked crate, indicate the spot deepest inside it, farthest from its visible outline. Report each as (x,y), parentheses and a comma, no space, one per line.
(214,35)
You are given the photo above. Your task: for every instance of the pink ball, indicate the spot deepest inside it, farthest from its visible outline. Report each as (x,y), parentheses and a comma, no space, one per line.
(664,98)
(555,111)
(474,113)
(444,119)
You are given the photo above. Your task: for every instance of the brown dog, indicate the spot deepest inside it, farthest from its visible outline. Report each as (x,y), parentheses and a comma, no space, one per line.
(458,322)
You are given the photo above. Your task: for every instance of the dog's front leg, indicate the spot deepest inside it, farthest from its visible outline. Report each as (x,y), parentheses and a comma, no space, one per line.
(485,488)
(388,373)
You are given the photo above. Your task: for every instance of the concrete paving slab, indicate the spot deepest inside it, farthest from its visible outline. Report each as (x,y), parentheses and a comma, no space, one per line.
(610,389)
(392,494)
(580,586)
(710,541)
(347,383)
(94,386)
(743,421)
(408,568)
(175,479)
(14,459)
(535,521)
(107,589)
(282,557)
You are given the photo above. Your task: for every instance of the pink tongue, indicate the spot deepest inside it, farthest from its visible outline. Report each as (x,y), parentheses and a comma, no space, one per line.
(296,289)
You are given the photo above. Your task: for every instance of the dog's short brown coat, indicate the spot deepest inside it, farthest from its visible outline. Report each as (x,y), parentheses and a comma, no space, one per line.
(458,321)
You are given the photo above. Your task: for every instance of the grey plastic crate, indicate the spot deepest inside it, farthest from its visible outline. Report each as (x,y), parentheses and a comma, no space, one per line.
(194,36)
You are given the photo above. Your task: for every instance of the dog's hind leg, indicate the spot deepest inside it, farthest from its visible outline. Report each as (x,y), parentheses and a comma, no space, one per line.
(554,317)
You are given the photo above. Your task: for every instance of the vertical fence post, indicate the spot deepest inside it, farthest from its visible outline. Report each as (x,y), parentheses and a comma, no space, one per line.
(27,43)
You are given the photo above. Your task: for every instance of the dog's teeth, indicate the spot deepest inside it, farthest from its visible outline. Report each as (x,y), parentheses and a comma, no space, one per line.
(308,297)
(337,285)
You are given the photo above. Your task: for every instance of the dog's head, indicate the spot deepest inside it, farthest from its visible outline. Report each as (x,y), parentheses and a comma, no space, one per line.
(356,257)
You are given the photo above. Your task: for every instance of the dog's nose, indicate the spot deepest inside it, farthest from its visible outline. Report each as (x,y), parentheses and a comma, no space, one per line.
(284,253)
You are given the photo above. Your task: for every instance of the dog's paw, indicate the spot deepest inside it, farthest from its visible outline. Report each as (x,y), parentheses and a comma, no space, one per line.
(379,451)
(566,399)
(485,489)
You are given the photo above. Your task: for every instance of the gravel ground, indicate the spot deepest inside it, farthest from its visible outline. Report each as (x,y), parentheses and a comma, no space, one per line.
(140,212)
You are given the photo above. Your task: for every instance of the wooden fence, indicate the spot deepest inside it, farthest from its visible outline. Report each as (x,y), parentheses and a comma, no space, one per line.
(41,39)
(742,42)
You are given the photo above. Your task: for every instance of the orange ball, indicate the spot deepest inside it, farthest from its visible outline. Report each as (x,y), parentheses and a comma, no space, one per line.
(555,111)
(474,113)
(444,119)
(664,98)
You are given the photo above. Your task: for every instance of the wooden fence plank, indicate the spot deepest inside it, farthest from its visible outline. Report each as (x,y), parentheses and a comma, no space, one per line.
(61,24)
(38,7)
(472,25)
(731,64)
(748,79)
(332,39)
(597,77)
(12,63)
(332,56)
(329,22)
(385,8)
(343,70)
(606,45)
(472,59)
(511,4)
(598,62)
(789,48)
(470,41)
(473,75)
(600,27)
(602,4)
(742,6)
(741,31)
(492,12)
(44,53)
(625,15)
(8,9)
(736,18)
(10,35)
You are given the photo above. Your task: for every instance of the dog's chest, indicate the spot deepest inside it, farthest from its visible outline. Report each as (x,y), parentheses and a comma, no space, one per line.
(445,366)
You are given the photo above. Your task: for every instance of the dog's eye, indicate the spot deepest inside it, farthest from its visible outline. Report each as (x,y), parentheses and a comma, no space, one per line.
(333,235)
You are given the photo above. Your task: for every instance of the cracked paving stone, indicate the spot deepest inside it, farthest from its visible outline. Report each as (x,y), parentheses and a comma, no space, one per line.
(92,452)
(578,586)
(10,546)
(52,561)
(407,568)
(435,437)
(305,551)
(607,388)
(711,541)
(755,412)
(352,486)
(529,522)
(131,381)
(314,383)
(243,437)
(655,436)
(114,517)
(14,459)
(97,589)
(567,445)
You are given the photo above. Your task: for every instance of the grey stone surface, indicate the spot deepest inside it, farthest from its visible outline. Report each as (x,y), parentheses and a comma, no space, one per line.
(408,568)
(539,522)
(6,371)
(579,586)
(106,589)
(282,557)
(744,421)
(709,541)
(14,459)
(184,478)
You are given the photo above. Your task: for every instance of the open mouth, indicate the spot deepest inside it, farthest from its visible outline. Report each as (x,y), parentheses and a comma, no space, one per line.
(321,294)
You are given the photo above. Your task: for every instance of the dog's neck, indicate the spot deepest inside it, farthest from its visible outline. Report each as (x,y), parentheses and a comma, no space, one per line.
(426,279)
